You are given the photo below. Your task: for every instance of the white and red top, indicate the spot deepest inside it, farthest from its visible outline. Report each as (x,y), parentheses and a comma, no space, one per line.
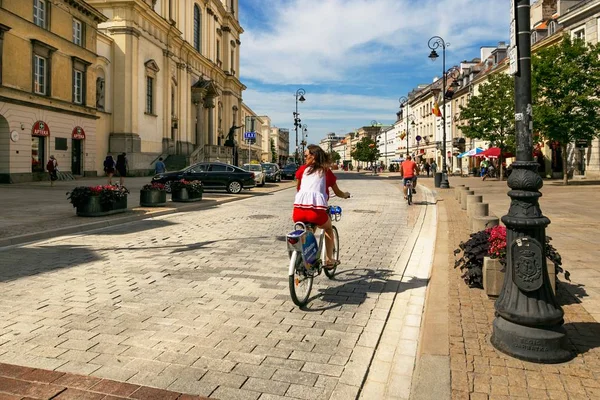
(314,188)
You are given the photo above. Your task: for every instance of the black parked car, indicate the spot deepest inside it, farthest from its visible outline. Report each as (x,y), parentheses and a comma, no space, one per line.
(289,171)
(273,173)
(213,175)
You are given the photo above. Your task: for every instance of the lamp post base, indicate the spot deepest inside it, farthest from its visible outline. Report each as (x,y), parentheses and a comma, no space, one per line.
(546,345)
(444,184)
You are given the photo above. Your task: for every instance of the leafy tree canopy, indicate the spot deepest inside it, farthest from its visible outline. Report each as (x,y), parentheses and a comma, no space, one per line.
(491,113)
(566,93)
(273,152)
(366,150)
(335,157)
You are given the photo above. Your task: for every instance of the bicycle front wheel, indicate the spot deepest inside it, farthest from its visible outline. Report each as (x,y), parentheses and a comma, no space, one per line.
(330,273)
(300,282)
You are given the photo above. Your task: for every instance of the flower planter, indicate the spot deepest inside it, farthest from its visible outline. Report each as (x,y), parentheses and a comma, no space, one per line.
(153,198)
(93,208)
(182,195)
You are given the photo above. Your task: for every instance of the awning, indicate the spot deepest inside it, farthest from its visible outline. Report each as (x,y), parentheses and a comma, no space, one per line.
(471,152)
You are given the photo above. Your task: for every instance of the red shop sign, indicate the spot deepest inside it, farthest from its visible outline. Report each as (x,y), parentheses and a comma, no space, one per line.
(40,128)
(78,133)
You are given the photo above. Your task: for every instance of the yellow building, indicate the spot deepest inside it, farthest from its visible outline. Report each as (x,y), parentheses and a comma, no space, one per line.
(48,68)
(170,72)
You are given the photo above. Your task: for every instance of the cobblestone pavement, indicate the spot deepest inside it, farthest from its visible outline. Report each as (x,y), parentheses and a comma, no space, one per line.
(478,371)
(197,302)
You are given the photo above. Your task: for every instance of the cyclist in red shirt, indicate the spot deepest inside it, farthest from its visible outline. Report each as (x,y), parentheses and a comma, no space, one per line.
(410,169)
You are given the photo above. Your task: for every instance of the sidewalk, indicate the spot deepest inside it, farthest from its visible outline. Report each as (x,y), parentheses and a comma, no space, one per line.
(35,210)
(477,369)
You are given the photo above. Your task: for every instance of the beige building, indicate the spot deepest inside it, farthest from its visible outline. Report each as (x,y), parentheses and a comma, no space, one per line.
(48,69)
(169,71)
(281,140)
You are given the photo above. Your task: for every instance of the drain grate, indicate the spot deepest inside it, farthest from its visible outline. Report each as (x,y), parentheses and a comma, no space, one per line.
(365,211)
(261,216)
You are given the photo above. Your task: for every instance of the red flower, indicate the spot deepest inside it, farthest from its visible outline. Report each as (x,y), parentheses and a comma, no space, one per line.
(497,241)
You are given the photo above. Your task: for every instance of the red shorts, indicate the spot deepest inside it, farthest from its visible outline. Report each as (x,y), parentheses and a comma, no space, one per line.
(318,217)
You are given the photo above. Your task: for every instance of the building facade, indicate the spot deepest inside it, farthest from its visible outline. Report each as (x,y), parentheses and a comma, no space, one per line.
(48,67)
(170,77)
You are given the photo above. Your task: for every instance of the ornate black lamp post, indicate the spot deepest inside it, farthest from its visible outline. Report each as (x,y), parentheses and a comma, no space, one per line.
(529,320)
(434,43)
(303,143)
(297,121)
(409,118)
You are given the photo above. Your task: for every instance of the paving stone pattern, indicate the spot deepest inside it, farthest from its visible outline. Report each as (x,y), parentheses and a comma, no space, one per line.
(198,302)
(479,371)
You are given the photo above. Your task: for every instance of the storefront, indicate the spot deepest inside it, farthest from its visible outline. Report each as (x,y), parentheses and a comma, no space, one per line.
(77,140)
(40,135)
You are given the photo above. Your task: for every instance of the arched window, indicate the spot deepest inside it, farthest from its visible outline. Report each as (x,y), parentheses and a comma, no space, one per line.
(197,28)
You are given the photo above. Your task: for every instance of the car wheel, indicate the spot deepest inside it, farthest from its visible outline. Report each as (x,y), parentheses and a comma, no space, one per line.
(263,182)
(168,186)
(234,187)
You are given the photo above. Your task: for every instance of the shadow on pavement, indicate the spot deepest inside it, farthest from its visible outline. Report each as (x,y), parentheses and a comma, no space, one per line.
(570,293)
(355,284)
(573,183)
(29,261)
(584,336)
(181,248)
(137,226)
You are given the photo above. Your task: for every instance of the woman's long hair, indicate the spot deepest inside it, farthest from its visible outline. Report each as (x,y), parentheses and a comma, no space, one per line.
(321,159)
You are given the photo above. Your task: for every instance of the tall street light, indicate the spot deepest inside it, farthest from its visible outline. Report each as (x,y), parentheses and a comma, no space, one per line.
(297,121)
(529,320)
(435,43)
(409,118)
(303,143)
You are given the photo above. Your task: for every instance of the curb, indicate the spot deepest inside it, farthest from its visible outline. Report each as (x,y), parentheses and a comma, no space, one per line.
(55,233)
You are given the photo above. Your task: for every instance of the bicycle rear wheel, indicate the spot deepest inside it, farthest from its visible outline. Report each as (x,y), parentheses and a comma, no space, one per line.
(330,273)
(300,282)
(409,196)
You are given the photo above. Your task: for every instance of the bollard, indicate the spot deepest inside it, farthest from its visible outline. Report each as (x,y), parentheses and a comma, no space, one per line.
(457,191)
(462,189)
(463,198)
(473,199)
(477,210)
(482,223)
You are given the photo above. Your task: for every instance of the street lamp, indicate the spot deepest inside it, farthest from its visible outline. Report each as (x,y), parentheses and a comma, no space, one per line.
(529,320)
(297,121)
(303,143)
(409,118)
(435,43)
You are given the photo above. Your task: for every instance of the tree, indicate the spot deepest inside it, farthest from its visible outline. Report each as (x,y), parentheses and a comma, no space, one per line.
(566,93)
(491,114)
(366,150)
(273,152)
(335,157)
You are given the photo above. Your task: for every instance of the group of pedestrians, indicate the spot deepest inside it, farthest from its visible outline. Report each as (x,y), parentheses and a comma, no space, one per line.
(120,166)
(429,168)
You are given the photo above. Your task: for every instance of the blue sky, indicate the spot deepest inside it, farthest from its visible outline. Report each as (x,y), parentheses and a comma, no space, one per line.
(354,58)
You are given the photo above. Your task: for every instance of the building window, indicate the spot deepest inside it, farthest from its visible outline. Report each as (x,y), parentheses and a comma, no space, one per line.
(232,61)
(149,95)
(197,28)
(40,13)
(40,73)
(77,32)
(578,34)
(77,87)
(551,27)
(79,80)
(219,52)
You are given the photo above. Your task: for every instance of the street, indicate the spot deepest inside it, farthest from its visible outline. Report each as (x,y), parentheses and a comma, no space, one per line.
(197,302)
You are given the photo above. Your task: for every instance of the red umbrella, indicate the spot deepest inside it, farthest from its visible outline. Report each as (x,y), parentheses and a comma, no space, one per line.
(494,152)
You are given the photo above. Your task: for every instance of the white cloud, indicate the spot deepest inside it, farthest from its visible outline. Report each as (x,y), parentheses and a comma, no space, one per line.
(313,41)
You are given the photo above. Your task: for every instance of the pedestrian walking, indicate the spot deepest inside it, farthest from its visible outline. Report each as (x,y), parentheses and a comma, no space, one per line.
(52,168)
(122,167)
(484,167)
(427,168)
(109,167)
(433,167)
(159,167)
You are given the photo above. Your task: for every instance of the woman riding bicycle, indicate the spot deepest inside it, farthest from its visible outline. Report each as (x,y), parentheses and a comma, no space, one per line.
(310,204)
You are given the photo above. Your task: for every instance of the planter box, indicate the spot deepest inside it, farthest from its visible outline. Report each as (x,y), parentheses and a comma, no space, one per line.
(93,208)
(493,276)
(183,196)
(153,198)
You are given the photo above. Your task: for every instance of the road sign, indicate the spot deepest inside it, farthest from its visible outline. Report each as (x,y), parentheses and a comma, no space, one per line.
(582,143)
(513,51)
(418,138)
(249,135)
(514,61)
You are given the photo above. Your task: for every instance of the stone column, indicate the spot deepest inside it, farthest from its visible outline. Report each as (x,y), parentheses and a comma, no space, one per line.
(210,104)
